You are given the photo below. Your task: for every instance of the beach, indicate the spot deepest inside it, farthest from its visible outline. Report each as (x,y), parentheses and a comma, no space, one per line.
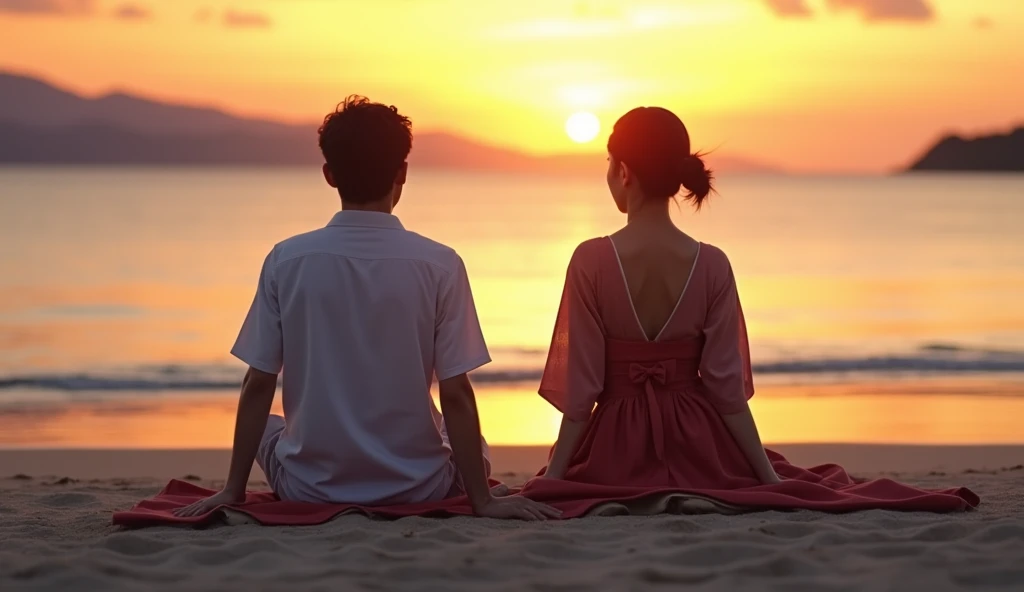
(56,533)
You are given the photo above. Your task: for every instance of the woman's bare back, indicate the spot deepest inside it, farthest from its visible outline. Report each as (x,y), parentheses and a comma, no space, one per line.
(656,268)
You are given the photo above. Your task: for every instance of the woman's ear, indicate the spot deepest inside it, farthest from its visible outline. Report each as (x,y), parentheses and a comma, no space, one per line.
(625,175)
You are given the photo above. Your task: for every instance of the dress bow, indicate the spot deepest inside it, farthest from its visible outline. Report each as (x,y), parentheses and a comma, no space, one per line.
(649,375)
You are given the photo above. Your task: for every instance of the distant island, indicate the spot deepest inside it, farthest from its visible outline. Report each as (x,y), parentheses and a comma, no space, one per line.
(43,124)
(986,153)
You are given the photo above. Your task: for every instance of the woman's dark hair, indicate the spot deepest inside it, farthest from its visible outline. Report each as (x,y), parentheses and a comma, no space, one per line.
(655,145)
(365,145)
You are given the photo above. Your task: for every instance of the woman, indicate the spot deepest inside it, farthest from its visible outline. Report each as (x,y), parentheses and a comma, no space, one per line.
(650,364)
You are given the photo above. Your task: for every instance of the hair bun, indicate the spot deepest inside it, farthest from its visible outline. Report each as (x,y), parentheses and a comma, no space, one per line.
(696,178)
(692,165)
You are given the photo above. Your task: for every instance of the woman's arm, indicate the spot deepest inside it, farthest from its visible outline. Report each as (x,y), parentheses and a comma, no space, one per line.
(574,373)
(569,435)
(726,372)
(743,429)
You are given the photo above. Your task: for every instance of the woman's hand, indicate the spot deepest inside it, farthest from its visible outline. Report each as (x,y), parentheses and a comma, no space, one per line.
(744,432)
(551,475)
(225,497)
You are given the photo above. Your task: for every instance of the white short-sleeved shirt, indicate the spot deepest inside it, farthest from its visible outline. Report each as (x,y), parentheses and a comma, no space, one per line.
(359,317)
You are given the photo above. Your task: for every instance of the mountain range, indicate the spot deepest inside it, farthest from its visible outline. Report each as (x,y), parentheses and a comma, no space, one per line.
(43,124)
(999,152)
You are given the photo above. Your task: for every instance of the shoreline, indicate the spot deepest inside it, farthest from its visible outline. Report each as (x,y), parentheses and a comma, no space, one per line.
(961,413)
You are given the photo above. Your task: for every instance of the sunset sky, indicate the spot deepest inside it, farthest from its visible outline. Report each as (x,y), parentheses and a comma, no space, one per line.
(810,85)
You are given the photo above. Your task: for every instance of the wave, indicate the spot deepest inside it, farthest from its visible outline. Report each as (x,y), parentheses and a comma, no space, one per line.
(891,365)
(929,360)
(99,382)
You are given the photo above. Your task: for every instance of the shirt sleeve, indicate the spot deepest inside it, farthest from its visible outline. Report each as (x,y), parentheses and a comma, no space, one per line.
(574,373)
(459,345)
(725,362)
(260,341)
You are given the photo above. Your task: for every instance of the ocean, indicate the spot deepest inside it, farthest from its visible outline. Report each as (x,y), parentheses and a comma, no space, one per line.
(880,309)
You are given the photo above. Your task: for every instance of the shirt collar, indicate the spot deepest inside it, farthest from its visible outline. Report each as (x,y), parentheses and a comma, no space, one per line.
(366,219)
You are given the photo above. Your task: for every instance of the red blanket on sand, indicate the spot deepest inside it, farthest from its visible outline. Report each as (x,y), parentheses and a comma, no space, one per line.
(579,499)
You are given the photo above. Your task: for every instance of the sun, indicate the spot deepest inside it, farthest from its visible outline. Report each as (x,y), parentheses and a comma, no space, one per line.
(582,127)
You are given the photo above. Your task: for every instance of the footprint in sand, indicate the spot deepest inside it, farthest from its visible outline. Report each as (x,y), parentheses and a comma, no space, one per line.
(136,545)
(719,554)
(1000,532)
(680,525)
(69,500)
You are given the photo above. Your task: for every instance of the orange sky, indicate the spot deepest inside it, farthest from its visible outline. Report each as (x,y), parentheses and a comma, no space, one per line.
(811,85)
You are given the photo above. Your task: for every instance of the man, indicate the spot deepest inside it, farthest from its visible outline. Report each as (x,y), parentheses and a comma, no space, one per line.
(361,315)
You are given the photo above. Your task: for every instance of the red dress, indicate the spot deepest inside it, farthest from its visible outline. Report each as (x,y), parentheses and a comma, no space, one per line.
(654,407)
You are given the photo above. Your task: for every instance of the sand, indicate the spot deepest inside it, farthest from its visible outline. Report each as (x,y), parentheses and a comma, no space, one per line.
(55,534)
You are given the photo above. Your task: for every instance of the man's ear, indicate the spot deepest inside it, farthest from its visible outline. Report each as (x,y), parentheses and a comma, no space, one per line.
(403,172)
(329,177)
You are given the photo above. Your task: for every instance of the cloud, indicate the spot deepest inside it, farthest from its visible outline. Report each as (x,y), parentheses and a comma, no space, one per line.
(887,10)
(246,20)
(790,8)
(983,23)
(203,15)
(71,7)
(132,12)
(592,23)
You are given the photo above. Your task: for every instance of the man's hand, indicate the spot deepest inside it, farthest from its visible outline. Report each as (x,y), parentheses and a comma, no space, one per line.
(204,506)
(254,403)
(516,507)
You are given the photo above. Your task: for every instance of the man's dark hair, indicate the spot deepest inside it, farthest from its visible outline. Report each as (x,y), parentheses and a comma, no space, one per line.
(365,145)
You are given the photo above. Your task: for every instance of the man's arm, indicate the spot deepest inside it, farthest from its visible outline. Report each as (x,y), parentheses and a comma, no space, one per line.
(458,404)
(254,403)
